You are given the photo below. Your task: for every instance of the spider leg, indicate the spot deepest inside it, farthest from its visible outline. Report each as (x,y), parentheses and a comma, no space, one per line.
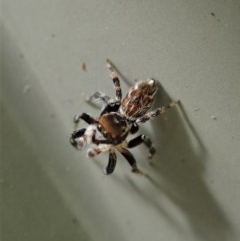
(75,135)
(153,114)
(80,138)
(111,163)
(98,97)
(131,160)
(143,139)
(84,116)
(115,79)
(134,128)
(110,107)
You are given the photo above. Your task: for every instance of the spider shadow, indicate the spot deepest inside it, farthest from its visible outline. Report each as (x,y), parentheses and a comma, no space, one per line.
(178,175)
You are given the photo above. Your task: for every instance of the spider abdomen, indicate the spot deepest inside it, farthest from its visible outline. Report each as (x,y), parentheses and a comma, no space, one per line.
(139,99)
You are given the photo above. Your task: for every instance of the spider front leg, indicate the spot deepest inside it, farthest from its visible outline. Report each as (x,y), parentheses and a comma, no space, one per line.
(77,138)
(80,138)
(115,79)
(143,139)
(84,116)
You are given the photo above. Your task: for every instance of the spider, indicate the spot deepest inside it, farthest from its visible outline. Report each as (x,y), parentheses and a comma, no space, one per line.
(117,120)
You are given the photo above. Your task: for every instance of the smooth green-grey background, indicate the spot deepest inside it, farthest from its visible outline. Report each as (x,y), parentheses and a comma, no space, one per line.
(52,192)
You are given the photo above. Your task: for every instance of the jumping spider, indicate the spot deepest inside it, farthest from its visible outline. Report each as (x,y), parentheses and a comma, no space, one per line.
(117,120)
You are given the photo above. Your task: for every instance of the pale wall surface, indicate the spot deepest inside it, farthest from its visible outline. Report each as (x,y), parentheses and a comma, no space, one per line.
(52,192)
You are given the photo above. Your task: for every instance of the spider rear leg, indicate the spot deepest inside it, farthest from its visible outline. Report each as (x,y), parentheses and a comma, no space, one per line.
(115,79)
(98,97)
(143,139)
(153,114)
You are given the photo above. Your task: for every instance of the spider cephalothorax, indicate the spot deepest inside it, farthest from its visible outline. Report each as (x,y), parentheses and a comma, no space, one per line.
(113,126)
(117,120)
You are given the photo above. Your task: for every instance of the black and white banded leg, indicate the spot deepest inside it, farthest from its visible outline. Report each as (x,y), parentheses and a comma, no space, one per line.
(75,135)
(78,138)
(115,79)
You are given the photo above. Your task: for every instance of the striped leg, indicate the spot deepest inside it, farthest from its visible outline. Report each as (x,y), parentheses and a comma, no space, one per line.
(115,80)
(153,114)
